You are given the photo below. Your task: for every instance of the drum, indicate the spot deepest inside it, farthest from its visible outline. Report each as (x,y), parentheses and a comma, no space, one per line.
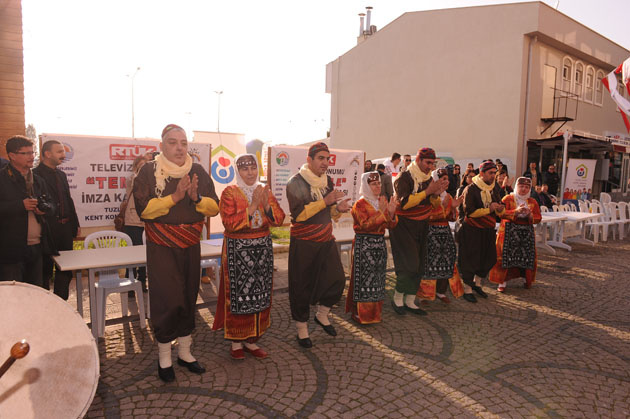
(59,375)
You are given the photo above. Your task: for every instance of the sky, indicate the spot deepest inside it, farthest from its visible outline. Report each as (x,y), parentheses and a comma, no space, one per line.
(267,57)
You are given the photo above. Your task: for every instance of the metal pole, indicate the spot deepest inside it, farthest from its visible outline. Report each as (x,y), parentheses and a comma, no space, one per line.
(219,93)
(133,125)
(565,149)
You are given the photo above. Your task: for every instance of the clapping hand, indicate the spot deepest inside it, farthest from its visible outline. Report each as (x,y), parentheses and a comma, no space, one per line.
(264,197)
(333,197)
(382,203)
(183,187)
(392,205)
(457,202)
(192,188)
(344,206)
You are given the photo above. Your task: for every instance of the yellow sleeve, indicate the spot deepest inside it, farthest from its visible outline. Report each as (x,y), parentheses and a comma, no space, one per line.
(334,213)
(480,213)
(310,210)
(415,199)
(207,206)
(500,213)
(158,207)
(436,201)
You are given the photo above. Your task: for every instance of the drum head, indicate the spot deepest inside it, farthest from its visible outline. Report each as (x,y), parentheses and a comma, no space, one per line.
(59,376)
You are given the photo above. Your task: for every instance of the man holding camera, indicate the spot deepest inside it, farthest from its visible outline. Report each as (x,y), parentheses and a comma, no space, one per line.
(63,223)
(23,229)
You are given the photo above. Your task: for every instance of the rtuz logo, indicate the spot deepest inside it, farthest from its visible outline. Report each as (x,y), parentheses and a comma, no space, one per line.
(333,160)
(129,151)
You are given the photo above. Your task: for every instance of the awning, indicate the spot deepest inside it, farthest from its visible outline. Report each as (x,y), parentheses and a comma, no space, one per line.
(578,143)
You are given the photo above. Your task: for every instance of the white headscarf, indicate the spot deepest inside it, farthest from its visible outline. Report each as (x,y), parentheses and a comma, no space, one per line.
(248,190)
(366,192)
(521,199)
(434,175)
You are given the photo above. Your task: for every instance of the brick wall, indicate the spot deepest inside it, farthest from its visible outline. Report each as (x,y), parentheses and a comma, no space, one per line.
(11,72)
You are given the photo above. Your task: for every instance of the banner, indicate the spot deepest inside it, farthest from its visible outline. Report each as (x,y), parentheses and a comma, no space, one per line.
(98,169)
(345,169)
(225,147)
(579,181)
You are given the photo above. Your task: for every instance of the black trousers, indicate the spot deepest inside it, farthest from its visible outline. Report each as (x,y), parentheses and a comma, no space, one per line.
(409,249)
(28,270)
(316,276)
(174,287)
(477,252)
(63,237)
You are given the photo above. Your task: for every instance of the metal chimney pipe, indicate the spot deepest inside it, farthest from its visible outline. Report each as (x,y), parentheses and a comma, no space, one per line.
(361,27)
(369,17)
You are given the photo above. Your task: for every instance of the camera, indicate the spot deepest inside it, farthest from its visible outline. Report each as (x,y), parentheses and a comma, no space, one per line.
(44,204)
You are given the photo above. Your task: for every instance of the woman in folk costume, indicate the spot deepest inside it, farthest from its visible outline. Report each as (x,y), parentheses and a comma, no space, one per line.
(372,215)
(516,241)
(440,269)
(247,210)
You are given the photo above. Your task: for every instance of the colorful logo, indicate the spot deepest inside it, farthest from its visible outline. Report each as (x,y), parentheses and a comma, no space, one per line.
(581,171)
(282,158)
(222,170)
(69,152)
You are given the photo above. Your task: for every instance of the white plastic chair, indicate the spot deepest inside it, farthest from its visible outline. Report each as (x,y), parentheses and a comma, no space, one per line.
(615,219)
(572,207)
(601,221)
(544,208)
(605,198)
(110,282)
(623,212)
(555,208)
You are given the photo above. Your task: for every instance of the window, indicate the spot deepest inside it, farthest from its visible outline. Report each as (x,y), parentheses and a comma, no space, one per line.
(578,83)
(589,84)
(599,88)
(567,74)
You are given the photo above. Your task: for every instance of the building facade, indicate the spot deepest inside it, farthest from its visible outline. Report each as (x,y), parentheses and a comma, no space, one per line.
(474,82)
(11,72)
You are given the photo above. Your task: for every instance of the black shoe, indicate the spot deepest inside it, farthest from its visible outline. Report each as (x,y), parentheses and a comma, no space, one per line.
(166,374)
(192,366)
(330,329)
(131,295)
(305,343)
(399,309)
(418,311)
(470,298)
(479,291)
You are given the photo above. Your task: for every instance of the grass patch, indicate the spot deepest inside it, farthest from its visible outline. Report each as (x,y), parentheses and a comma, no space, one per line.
(280,235)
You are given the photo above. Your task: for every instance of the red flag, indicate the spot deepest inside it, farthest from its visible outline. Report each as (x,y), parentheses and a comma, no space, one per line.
(610,81)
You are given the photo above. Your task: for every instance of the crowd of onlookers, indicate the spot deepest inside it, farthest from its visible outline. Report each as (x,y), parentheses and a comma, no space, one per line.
(544,185)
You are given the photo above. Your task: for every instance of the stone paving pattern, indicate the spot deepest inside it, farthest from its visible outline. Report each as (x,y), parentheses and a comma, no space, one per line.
(560,349)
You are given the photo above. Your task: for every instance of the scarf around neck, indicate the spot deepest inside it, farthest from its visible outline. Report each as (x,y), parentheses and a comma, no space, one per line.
(248,190)
(417,175)
(486,190)
(165,169)
(318,183)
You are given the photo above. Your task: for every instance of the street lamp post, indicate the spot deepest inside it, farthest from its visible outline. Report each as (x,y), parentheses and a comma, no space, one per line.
(133,131)
(219,93)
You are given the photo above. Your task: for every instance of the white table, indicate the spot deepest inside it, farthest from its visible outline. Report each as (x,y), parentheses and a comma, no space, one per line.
(554,222)
(111,258)
(580,218)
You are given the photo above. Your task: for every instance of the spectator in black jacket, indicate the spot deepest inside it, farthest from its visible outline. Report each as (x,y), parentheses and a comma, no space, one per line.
(3,162)
(63,223)
(23,203)
(551,178)
(544,198)
(533,173)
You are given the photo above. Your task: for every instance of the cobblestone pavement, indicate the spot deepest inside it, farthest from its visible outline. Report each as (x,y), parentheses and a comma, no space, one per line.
(560,349)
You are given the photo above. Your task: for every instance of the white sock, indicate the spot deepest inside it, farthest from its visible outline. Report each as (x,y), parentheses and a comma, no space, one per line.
(184,348)
(302,329)
(250,346)
(237,345)
(322,314)
(441,295)
(467,289)
(503,284)
(398,298)
(164,355)
(410,301)
(478,280)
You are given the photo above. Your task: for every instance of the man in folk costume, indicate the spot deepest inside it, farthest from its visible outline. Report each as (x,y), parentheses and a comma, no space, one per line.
(173,195)
(414,188)
(516,241)
(477,253)
(372,214)
(247,210)
(316,275)
(440,270)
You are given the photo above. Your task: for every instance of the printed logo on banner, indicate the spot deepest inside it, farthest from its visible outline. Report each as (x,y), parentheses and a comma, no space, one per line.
(69,152)
(129,151)
(222,170)
(333,160)
(282,158)
(581,171)
(195,154)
